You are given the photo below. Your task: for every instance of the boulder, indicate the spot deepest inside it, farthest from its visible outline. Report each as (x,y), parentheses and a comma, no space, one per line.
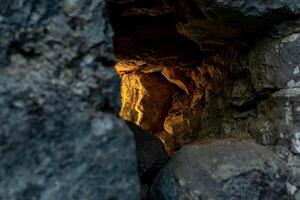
(236,122)
(237,12)
(59,138)
(223,170)
(242,93)
(63,42)
(213,23)
(58,150)
(151,153)
(274,61)
(278,119)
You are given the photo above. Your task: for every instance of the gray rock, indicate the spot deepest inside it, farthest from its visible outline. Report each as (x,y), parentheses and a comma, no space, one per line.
(274,62)
(278,119)
(151,153)
(249,12)
(58,88)
(236,122)
(66,42)
(263,131)
(223,170)
(213,23)
(242,93)
(60,150)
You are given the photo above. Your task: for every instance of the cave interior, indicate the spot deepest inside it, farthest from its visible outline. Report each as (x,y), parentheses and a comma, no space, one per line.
(178,69)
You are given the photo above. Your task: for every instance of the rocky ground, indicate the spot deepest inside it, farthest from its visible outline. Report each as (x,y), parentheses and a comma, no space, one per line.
(207,91)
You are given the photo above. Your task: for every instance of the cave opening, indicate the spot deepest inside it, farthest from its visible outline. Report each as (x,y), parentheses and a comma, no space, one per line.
(173,84)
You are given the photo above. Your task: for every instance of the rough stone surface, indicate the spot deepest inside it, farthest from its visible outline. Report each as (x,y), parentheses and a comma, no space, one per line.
(214,23)
(242,93)
(59,151)
(274,65)
(255,11)
(151,153)
(146,99)
(236,122)
(274,61)
(223,170)
(57,88)
(278,119)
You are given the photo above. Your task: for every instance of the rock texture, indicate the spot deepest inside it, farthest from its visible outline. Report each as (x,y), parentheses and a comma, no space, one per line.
(146,99)
(234,66)
(274,72)
(223,170)
(47,154)
(235,55)
(151,153)
(274,62)
(58,90)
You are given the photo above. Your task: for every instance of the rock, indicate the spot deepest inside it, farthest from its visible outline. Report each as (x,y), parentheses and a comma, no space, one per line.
(263,131)
(236,122)
(278,119)
(53,147)
(169,141)
(145,189)
(176,77)
(248,12)
(64,43)
(274,63)
(146,99)
(242,93)
(58,92)
(209,34)
(223,170)
(151,153)
(216,23)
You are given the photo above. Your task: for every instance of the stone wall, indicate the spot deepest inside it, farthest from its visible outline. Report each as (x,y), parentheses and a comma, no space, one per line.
(225,70)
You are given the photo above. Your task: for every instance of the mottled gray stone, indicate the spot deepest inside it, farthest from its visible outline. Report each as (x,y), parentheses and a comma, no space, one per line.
(237,11)
(274,61)
(279,119)
(213,23)
(242,93)
(66,42)
(236,122)
(223,170)
(58,94)
(151,153)
(53,148)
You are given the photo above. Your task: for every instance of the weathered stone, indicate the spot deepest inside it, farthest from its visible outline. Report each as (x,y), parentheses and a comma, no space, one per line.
(151,153)
(274,63)
(242,93)
(263,131)
(53,148)
(62,42)
(169,141)
(223,170)
(236,122)
(146,99)
(215,23)
(278,119)
(177,77)
(248,12)
(209,34)
(57,88)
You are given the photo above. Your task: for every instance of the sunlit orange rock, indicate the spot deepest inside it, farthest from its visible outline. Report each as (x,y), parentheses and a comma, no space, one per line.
(146,99)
